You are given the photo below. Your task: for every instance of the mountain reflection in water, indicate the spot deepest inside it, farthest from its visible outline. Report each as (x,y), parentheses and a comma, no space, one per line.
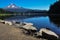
(39,22)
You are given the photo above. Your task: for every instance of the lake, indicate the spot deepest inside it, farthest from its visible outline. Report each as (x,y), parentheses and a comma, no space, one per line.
(39,22)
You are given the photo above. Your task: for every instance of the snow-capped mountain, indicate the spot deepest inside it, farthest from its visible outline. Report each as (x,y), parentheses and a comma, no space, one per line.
(14,8)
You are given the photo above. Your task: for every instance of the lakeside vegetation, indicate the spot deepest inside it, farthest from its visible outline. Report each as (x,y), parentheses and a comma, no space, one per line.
(55,9)
(4,14)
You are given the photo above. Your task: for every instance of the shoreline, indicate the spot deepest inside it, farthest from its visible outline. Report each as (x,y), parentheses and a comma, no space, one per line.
(14,30)
(12,33)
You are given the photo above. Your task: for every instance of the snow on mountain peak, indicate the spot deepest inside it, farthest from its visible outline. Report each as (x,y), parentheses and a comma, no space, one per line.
(12,6)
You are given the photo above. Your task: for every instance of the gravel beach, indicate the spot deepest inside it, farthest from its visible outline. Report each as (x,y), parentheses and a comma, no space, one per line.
(12,33)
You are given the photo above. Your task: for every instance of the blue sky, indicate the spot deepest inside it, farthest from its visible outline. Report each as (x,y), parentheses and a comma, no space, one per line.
(32,4)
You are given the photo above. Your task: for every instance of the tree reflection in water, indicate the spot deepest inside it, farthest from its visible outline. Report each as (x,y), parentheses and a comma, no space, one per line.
(54,13)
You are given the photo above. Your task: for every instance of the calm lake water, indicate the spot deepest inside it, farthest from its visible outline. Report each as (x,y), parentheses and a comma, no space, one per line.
(39,22)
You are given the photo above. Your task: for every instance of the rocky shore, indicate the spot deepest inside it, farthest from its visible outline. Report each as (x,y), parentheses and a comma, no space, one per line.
(8,32)
(12,30)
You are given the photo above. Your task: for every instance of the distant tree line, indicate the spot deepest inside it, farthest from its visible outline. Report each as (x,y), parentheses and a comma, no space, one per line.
(4,14)
(2,11)
(36,11)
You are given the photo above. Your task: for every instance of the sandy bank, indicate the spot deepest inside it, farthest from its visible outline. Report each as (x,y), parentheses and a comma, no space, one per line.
(11,33)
